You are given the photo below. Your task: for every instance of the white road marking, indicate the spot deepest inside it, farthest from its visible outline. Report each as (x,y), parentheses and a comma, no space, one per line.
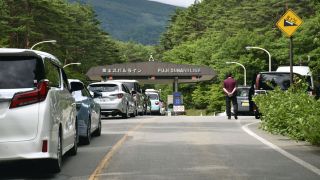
(278,149)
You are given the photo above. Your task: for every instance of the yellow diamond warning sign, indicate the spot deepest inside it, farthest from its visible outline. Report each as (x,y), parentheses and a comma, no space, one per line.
(289,23)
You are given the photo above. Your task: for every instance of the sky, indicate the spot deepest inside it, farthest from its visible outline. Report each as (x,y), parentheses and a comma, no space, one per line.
(182,3)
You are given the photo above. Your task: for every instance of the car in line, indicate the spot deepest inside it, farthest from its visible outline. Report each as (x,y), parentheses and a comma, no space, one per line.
(268,81)
(156,103)
(37,110)
(243,100)
(136,91)
(88,111)
(303,71)
(115,99)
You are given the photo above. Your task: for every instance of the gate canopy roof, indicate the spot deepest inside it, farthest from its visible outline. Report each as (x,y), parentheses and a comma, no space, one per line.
(152,72)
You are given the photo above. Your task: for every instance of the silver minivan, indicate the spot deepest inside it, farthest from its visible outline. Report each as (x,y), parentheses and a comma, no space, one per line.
(37,110)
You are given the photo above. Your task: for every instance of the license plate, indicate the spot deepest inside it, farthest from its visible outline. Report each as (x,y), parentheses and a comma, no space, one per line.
(245,104)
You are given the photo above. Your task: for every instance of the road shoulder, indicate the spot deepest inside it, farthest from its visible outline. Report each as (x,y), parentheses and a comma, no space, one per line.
(300,149)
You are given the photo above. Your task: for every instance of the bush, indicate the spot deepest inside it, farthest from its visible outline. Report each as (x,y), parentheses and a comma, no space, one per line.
(292,113)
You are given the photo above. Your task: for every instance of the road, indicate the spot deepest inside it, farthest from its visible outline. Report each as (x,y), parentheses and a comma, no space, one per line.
(182,147)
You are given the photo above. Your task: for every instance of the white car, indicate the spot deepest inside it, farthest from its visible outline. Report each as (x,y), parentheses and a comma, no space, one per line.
(37,110)
(115,100)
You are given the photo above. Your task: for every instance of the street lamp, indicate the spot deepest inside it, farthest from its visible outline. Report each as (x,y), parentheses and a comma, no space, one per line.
(71,64)
(250,47)
(244,69)
(41,42)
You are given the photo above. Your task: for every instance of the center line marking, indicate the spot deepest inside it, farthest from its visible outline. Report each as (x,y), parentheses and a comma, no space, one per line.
(280,150)
(106,159)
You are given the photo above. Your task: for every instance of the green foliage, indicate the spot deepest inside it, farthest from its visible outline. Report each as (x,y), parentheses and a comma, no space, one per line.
(133,52)
(216,31)
(74,26)
(293,113)
(209,97)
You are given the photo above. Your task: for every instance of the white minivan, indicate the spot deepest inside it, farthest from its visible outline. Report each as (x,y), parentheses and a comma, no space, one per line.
(37,110)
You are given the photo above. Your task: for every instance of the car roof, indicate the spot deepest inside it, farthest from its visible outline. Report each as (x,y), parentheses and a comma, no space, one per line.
(29,52)
(302,70)
(274,72)
(124,80)
(107,82)
(152,90)
(74,80)
(243,87)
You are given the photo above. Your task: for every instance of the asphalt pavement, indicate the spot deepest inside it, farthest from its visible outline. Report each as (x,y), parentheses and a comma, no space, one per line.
(181,147)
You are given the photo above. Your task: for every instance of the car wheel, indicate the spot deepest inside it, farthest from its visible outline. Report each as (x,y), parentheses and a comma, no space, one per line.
(133,114)
(98,131)
(126,114)
(87,139)
(55,164)
(256,115)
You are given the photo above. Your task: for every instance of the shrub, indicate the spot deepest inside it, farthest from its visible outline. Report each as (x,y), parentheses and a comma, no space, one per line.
(292,113)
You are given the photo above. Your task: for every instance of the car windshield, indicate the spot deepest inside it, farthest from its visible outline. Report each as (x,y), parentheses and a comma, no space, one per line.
(104,87)
(153,96)
(20,72)
(270,81)
(243,92)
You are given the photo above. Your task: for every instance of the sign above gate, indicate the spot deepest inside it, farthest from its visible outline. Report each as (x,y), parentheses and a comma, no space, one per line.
(152,70)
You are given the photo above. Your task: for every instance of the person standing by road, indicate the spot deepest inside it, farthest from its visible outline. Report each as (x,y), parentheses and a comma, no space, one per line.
(230,89)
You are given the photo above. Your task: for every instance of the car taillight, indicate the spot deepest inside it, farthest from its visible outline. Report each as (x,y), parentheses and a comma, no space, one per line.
(156,102)
(30,97)
(257,82)
(45,146)
(119,96)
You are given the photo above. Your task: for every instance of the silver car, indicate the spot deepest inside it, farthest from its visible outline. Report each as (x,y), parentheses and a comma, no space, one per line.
(88,111)
(37,110)
(115,100)
(136,91)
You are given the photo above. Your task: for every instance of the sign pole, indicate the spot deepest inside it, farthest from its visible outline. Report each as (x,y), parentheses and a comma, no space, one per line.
(288,24)
(291,60)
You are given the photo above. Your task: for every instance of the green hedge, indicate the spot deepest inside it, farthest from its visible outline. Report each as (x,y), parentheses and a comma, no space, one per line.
(291,113)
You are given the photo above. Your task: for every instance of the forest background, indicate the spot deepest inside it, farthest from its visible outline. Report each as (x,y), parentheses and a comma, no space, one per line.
(209,33)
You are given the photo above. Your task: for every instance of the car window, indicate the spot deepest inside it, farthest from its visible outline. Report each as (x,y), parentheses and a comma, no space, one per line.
(270,81)
(85,92)
(153,96)
(243,92)
(130,86)
(104,87)
(52,74)
(125,88)
(20,72)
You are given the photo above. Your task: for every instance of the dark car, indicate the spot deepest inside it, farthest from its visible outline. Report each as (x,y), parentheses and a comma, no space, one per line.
(243,99)
(88,111)
(268,81)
